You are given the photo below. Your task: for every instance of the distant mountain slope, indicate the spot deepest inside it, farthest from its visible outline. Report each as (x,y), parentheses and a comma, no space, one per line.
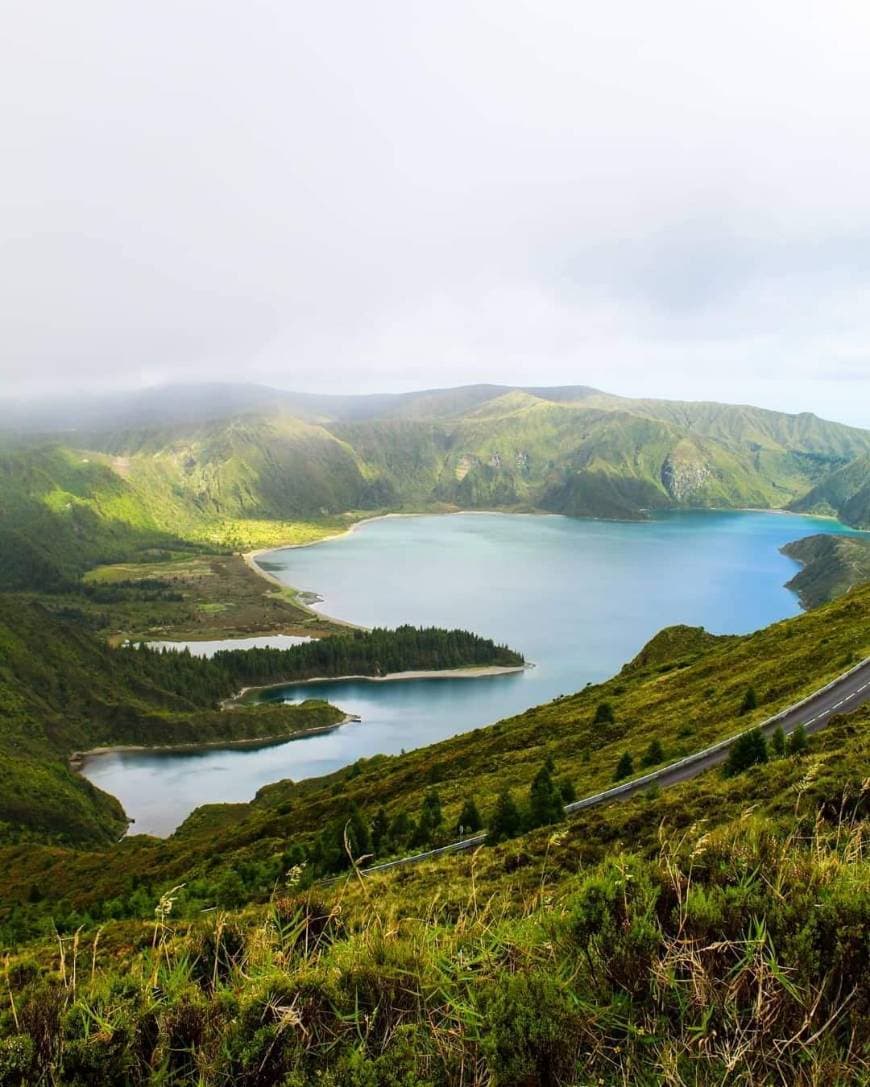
(233,479)
(845,493)
(831,565)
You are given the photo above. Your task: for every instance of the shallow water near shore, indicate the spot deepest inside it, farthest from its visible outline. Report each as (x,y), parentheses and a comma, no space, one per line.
(578,598)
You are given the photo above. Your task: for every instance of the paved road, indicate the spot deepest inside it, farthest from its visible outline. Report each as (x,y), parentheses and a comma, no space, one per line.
(844,694)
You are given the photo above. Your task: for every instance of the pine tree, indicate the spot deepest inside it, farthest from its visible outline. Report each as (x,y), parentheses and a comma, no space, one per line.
(567,790)
(545,800)
(749,703)
(431,818)
(749,749)
(506,821)
(797,741)
(380,830)
(654,754)
(604,714)
(624,768)
(469,818)
(777,743)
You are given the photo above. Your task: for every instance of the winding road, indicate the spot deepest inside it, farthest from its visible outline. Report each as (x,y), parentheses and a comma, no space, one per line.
(842,695)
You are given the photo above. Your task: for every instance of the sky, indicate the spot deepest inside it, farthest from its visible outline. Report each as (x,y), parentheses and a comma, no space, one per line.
(657,199)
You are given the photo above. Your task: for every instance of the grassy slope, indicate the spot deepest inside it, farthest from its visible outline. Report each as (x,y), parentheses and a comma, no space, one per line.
(221,596)
(832,565)
(844,493)
(686,701)
(61,690)
(713,933)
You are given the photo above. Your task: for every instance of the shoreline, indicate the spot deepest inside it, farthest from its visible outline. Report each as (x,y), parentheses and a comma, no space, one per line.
(473,672)
(78,760)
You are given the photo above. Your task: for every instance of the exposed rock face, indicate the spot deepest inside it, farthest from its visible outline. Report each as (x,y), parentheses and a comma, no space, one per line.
(683,478)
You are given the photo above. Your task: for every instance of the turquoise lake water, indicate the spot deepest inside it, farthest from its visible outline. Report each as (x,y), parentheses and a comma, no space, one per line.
(577,598)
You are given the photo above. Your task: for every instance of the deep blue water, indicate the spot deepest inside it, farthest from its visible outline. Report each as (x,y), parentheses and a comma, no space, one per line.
(577,598)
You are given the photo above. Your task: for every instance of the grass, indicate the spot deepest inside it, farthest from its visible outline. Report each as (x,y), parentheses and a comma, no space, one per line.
(220,597)
(685,692)
(715,956)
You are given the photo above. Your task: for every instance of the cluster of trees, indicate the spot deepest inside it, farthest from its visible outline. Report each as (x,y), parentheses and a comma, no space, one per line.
(543,806)
(202,682)
(351,838)
(752,748)
(653,756)
(143,590)
(368,653)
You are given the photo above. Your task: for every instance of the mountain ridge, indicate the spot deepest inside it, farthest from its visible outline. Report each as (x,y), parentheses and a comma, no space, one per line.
(231,482)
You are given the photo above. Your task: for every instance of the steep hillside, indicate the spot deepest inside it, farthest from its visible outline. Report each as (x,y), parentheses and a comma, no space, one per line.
(711,933)
(831,565)
(684,691)
(845,493)
(573,450)
(62,690)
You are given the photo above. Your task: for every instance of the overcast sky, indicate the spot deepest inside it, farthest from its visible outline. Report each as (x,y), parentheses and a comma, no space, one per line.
(660,199)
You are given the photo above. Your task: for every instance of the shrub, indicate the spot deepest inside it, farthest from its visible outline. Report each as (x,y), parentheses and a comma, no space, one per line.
(17,1060)
(654,754)
(469,818)
(797,741)
(749,749)
(530,1031)
(219,951)
(604,714)
(749,703)
(624,768)
(506,821)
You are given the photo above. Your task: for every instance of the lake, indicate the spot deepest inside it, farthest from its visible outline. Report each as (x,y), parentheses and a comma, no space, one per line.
(578,598)
(206,648)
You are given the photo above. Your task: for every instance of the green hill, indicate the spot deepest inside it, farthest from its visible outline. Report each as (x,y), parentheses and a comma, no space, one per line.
(831,565)
(845,493)
(62,691)
(240,481)
(601,949)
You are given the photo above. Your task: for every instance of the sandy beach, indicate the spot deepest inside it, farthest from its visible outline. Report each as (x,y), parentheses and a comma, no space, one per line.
(391,677)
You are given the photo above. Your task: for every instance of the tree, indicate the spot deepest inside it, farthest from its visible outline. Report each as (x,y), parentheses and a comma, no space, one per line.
(330,853)
(355,834)
(777,743)
(431,818)
(505,821)
(749,749)
(749,703)
(624,768)
(567,790)
(402,829)
(545,800)
(604,714)
(380,830)
(797,741)
(654,754)
(469,818)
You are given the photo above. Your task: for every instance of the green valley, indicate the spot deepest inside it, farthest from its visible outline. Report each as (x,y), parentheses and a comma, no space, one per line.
(427,968)
(705,932)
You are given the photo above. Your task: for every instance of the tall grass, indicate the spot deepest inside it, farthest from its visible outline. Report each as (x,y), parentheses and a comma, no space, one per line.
(733,957)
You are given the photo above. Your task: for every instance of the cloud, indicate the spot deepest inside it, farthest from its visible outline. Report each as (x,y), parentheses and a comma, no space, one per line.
(663,199)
